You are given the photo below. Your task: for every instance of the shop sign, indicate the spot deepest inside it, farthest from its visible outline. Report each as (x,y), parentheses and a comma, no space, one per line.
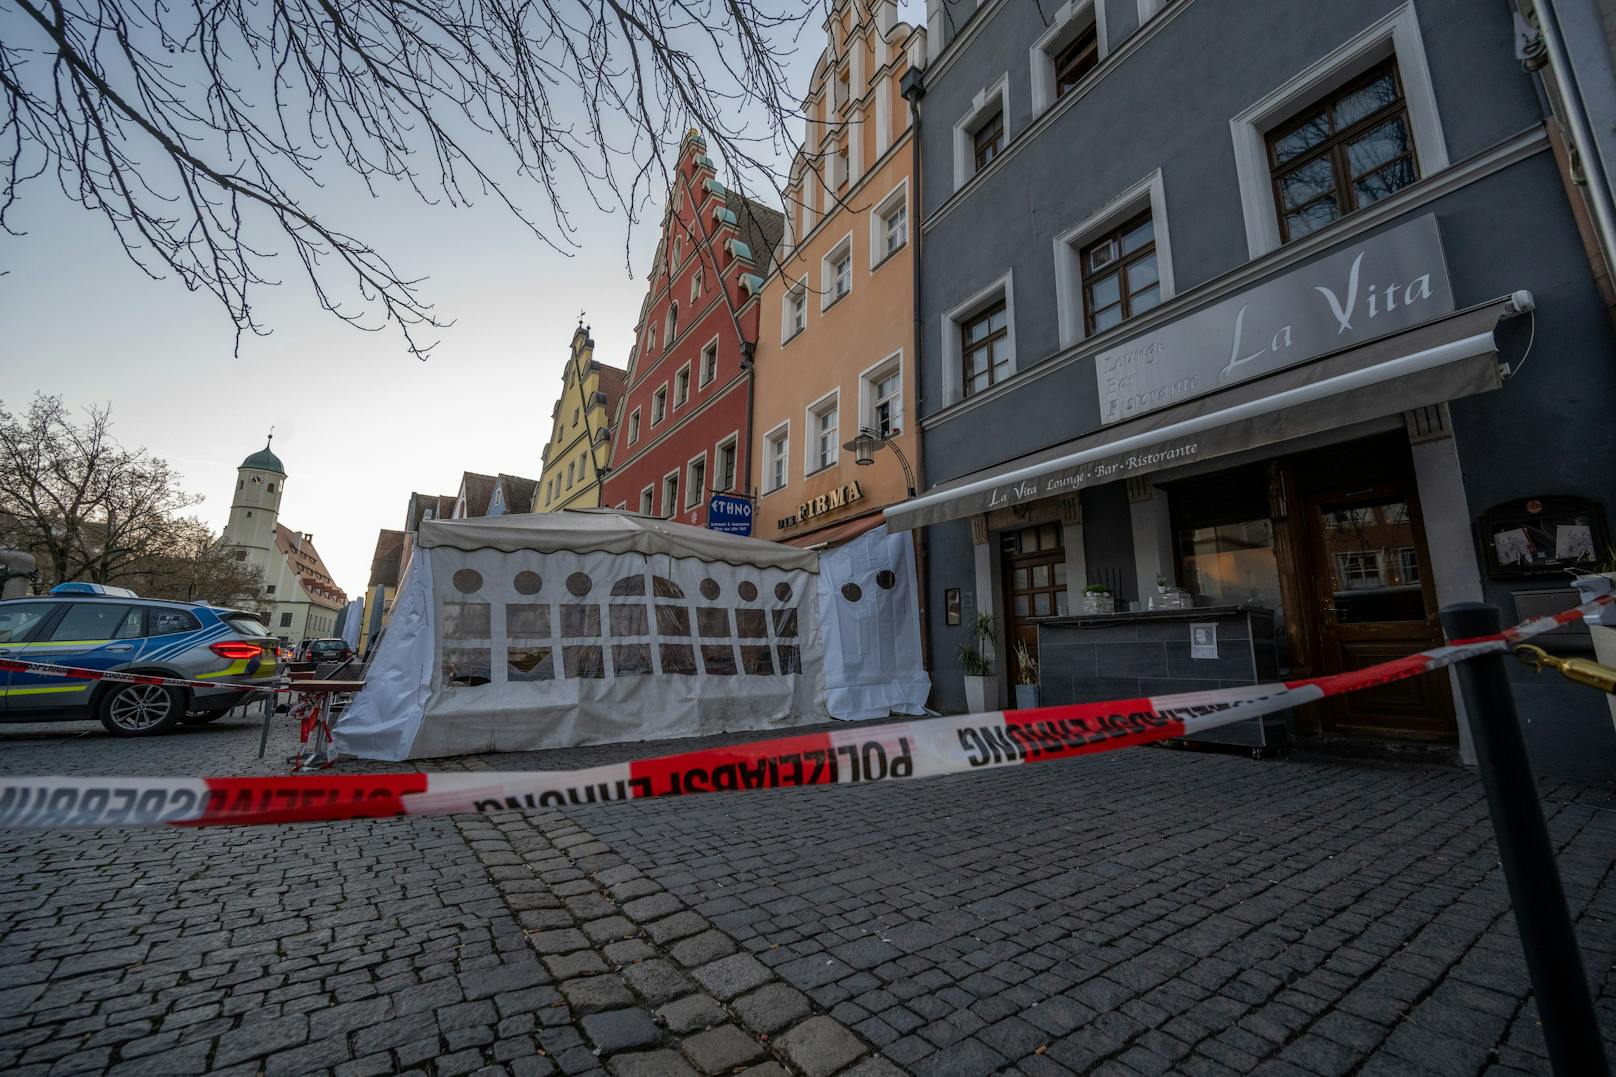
(839,498)
(730,514)
(1382,285)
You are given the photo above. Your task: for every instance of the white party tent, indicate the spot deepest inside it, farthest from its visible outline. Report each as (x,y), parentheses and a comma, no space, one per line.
(516,633)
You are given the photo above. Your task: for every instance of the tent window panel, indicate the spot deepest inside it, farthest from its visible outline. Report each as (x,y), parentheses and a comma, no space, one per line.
(757,661)
(466,667)
(719,661)
(713,622)
(525,620)
(631,659)
(679,658)
(466,620)
(785,623)
(665,588)
(629,620)
(628,586)
(790,659)
(672,621)
(578,619)
(751,624)
(584,662)
(529,664)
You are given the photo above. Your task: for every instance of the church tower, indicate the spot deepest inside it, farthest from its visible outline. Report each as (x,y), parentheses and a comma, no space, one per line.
(260,481)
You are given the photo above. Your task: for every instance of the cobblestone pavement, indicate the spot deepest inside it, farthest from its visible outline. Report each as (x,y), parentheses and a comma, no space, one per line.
(1145,912)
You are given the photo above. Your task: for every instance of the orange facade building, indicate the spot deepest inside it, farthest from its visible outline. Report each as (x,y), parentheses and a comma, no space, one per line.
(835,352)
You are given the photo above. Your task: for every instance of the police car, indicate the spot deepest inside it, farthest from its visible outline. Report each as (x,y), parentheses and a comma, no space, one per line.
(91,626)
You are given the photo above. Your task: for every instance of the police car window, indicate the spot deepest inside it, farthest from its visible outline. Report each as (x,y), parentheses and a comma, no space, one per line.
(98,621)
(16,621)
(168,622)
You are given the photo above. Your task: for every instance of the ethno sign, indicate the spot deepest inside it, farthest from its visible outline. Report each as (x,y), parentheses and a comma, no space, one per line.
(1387,283)
(839,498)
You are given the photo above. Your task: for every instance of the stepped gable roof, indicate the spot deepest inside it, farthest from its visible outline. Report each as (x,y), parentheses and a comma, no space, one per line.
(298,549)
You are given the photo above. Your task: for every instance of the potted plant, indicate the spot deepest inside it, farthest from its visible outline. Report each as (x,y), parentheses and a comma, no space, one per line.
(1026,677)
(976,659)
(1097,598)
(1161,585)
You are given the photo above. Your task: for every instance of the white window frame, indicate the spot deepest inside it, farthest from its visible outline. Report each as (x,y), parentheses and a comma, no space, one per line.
(671,321)
(1148,192)
(570,464)
(690,483)
(894,199)
(1397,34)
(648,500)
(634,426)
(695,285)
(733,443)
(777,446)
(877,372)
(994,95)
(827,272)
(1072,17)
(673,476)
(953,356)
(792,292)
(810,441)
(662,394)
(681,375)
(711,347)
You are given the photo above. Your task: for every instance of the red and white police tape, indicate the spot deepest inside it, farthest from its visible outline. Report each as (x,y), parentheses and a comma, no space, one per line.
(891,752)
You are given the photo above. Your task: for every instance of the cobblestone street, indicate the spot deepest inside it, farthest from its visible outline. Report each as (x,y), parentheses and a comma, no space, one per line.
(1149,911)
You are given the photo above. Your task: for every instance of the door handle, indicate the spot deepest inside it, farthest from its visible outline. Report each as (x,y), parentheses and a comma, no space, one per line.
(121,647)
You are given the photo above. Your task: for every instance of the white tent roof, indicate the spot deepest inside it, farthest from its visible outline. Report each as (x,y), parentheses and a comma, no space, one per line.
(609,531)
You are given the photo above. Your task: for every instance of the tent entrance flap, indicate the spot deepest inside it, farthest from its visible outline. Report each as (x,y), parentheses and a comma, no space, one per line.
(1442,360)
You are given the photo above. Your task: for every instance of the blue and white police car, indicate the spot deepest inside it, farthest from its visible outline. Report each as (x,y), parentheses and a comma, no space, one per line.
(92,626)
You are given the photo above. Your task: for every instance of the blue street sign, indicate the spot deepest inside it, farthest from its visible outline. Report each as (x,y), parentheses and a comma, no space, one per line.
(730,514)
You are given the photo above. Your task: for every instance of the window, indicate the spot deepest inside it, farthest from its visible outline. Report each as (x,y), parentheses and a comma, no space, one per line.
(574,416)
(168,622)
(673,323)
(241,555)
(1077,59)
(837,271)
(1343,153)
(286,620)
(985,348)
(886,399)
(776,454)
(97,621)
(570,465)
(724,466)
(796,311)
(1339,136)
(838,166)
(681,385)
(1120,275)
(648,501)
(695,480)
(670,493)
(695,286)
(988,139)
(271,487)
(823,422)
(709,363)
(844,86)
(269,589)
(659,405)
(889,225)
(650,338)
(634,426)
(678,250)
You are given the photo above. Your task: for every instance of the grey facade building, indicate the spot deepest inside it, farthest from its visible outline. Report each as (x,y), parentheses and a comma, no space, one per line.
(1284,306)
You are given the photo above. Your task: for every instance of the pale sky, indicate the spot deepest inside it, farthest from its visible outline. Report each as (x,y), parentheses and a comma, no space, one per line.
(358,422)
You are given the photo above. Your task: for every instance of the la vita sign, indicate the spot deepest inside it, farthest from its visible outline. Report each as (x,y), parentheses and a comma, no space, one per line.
(1384,284)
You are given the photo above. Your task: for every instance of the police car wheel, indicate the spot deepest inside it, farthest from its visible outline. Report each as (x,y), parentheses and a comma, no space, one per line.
(140,710)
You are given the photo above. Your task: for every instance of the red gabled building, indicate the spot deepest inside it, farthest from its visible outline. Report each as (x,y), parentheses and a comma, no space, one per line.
(683,429)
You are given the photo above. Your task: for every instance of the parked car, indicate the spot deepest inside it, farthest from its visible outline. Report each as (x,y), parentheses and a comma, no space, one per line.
(91,630)
(327,650)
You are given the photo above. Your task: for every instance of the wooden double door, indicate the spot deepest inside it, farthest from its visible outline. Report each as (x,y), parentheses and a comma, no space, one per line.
(1359,585)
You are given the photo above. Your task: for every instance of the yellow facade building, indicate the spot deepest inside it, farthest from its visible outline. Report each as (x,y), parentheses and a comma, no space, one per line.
(835,353)
(580,445)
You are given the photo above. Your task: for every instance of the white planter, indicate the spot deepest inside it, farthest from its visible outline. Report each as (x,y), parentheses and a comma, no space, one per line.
(1026,696)
(981,694)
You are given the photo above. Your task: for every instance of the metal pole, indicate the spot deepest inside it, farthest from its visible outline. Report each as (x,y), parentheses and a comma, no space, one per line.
(1564,1003)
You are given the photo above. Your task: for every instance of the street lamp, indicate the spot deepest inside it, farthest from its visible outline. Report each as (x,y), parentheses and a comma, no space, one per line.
(863,449)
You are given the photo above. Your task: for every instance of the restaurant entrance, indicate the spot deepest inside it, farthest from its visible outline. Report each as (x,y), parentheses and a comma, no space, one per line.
(1333,541)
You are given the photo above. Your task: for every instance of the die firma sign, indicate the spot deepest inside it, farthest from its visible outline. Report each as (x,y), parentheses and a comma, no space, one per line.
(839,498)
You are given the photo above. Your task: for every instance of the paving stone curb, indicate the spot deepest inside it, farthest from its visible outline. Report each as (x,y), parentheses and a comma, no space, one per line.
(625,953)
